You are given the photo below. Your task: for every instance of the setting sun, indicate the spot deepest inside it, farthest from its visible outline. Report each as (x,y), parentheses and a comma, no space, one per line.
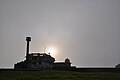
(52,51)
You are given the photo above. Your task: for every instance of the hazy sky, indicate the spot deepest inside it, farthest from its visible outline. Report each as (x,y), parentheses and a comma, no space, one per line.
(85,31)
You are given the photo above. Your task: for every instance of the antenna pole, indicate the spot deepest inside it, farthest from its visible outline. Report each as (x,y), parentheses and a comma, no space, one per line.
(44,49)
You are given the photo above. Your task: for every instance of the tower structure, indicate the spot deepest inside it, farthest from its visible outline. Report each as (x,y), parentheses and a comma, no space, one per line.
(40,61)
(28,39)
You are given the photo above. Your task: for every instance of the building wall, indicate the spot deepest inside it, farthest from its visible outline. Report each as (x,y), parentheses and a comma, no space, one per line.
(41,61)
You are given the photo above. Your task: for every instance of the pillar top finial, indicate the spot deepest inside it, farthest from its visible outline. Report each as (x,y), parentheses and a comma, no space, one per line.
(28,38)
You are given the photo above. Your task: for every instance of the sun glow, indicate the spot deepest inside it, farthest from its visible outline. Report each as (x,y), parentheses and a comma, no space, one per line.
(52,51)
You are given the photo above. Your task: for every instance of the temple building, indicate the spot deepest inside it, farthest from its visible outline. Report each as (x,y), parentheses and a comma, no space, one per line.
(40,61)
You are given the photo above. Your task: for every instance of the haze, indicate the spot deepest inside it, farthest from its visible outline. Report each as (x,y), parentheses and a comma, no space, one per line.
(85,31)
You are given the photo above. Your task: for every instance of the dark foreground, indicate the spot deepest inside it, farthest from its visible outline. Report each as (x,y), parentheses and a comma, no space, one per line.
(57,75)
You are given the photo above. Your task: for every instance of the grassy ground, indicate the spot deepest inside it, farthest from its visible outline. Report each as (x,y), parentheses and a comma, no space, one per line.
(58,75)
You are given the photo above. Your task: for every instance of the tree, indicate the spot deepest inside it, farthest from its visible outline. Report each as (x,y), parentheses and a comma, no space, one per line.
(117,66)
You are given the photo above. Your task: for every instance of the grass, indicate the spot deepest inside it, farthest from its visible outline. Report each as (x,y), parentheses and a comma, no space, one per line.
(58,75)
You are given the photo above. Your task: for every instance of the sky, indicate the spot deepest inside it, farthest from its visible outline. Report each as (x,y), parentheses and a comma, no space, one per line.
(85,31)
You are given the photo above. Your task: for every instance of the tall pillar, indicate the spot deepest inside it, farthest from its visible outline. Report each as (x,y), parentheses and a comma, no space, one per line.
(28,39)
